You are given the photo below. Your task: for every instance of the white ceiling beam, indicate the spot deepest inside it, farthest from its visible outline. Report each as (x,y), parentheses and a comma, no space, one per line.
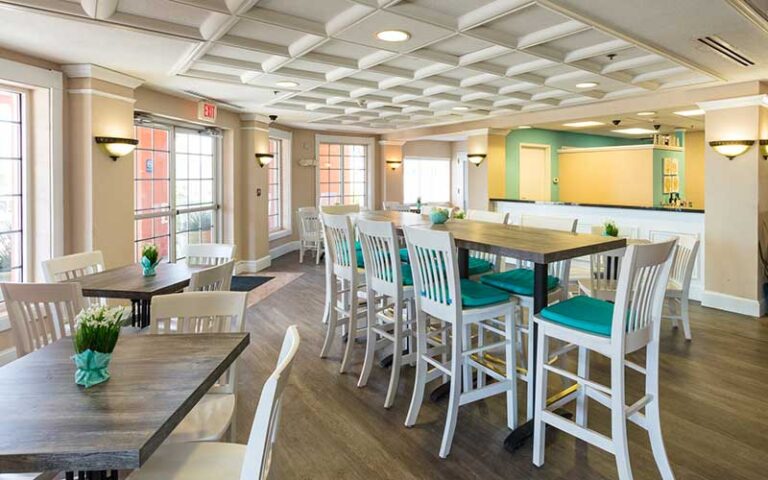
(255,45)
(100,9)
(635,62)
(492,11)
(219,6)
(549,34)
(605,48)
(297,24)
(230,62)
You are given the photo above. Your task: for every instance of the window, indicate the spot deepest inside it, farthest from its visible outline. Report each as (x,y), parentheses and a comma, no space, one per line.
(343,174)
(274,181)
(426,178)
(175,189)
(11,187)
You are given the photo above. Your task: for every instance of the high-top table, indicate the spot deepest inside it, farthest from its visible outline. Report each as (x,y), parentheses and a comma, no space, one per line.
(51,424)
(537,245)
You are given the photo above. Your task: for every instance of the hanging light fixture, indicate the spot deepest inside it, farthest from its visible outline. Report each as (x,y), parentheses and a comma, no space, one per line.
(264,159)
(731,148)
(476,158)
(764,149)
(117,147)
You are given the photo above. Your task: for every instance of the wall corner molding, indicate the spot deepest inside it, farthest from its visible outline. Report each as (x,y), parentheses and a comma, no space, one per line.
(87,70)
(731,303)
(396,143)
(284,249)
(253,266)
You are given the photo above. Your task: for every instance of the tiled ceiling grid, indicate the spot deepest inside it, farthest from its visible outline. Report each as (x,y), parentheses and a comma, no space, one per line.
(482,57)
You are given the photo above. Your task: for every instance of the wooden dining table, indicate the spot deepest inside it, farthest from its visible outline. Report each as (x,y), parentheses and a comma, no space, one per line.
(536,245)
(51,424)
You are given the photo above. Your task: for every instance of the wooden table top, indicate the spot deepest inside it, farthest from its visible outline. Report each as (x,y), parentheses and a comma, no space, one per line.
(49,423)
(533,244)
(128,282)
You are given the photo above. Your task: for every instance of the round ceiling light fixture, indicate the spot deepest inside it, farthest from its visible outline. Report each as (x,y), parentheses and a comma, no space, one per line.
(586,85)
(287,84)
(461,108)
(523,127)
(393,35)
(646,114)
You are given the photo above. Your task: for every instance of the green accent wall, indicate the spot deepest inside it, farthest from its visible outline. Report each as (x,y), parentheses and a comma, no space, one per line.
(556,140)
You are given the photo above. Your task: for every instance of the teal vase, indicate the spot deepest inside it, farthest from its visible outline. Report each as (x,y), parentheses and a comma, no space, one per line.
(92,367)
(148,268)
(438,217)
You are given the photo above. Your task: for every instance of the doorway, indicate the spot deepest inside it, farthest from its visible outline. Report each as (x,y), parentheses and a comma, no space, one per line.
(535,177)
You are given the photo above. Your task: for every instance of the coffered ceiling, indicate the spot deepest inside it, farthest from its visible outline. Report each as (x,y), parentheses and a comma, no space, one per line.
(463,60)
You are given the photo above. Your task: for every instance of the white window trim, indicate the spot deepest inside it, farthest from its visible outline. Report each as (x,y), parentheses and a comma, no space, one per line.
(432,159)
(369,142)
(286,159)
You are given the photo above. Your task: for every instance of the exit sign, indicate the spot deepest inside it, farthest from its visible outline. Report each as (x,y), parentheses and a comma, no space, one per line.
(206,111)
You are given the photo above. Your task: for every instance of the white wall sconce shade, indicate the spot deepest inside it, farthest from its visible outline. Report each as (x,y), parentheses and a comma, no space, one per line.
(117,147)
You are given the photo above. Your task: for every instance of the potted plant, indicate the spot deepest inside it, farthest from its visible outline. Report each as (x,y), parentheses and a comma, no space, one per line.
(459,214)
(439,215)
(150,258)
(610,229)
(97,329)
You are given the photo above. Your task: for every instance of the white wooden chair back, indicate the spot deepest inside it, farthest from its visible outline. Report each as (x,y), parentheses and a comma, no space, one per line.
(41,313)
(487,216)
(216,278)
(640,294)
(310,228)
(73,266)
(435,273)
(604,268)
(340,209)
(201,312)
(258,452)
(686,250)
(561,269)
(340,245)
(427,209)
(210,253)
(381,253)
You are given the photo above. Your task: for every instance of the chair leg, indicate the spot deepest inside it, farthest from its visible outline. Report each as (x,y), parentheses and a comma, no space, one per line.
(397,356)
(582,401)
(352,329)
(333,315)
(301,252)
(530,364)
(652,412)
(684,317)
(329,297)
(420,380)
(466,369)
(539,427)
(455,393)
(619,420)
(481,342)
(370,343)
(511,361)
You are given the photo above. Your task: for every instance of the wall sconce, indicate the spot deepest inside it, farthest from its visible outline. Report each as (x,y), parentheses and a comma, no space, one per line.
(764,149)
(394,164)
(476,158)
(731,148)
(117,147)
(264,159)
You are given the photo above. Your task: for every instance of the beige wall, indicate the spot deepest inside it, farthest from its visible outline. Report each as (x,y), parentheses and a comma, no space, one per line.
(477,175)
(427,149)
(497,166)
(694,168)
(393,178)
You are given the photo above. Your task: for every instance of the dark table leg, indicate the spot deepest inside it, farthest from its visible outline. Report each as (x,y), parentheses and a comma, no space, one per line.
(140,311)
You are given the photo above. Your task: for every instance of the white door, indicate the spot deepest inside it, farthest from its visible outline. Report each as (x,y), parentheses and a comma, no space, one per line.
(534,172)
(459,181)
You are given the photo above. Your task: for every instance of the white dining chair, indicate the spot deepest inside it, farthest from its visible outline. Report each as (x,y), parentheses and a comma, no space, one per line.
(194,313)
(613,330)
(487,216)
(459,304)
(41,313)
(389,296)
(483,262)
(310,233)
(201,254)
(345,286)
(679,286)
(230,461)
(216,278)
(340,209)
(603,276)
(349,209)
(74,266)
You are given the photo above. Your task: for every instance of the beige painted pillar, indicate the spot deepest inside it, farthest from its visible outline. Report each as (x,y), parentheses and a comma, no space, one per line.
(253,230)
(477,175)
(392,151)
(737,198)
(99,190)
(497,164)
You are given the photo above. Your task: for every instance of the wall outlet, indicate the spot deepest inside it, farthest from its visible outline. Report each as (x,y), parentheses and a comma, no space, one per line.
(258,192)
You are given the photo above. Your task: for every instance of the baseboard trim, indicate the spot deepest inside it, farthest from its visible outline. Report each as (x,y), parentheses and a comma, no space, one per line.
(731,303)
(7,356)
(253,266)
(283,249)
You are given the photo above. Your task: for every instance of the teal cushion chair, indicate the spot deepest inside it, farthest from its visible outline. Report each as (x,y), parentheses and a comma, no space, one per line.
(479,266)
(518,281)
(404,267)
(583,313)
(475,294)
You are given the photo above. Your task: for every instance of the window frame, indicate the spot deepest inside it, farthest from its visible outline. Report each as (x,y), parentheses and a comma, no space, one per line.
(286,214)
(25,183)
(446,160)
(370,144)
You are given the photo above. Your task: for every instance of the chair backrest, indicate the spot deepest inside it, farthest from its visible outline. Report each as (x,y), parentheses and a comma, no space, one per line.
(340,245)
(381,254)
(640,294)
(340,209)
(73,266)
(309,224)
(210,253)
(41,313)
(216,278)
(396,206)
(604,268)
(686,251)
(435,272)
(551,223)
(201,312)
(258,452)
(487,216)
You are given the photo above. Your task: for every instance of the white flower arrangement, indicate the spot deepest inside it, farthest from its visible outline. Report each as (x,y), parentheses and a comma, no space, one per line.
(98,327)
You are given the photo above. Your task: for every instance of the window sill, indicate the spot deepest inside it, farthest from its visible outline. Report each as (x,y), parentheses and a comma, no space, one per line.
(280,234)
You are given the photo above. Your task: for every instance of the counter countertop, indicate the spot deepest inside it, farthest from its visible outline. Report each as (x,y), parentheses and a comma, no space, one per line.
(630,207)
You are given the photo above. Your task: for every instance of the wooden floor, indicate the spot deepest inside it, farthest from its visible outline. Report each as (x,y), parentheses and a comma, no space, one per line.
(714,402)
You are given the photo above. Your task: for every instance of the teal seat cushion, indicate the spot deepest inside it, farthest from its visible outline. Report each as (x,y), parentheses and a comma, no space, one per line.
(518,281)
(475,294)
(407,274)
(582,313)
(478,266)
(404,255)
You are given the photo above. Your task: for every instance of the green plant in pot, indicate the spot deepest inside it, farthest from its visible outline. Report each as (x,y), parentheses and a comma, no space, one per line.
(610,229)
(150,258)
(97,329)
(439,215)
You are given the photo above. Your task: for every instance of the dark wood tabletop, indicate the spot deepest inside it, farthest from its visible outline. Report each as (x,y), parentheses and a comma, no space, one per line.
(49,423)
(534,244)
(128,282)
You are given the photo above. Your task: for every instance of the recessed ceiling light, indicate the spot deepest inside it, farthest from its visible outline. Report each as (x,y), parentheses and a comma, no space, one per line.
(287,84)
(634,131)
(523,127)
(393,35)
(461,109)
(588,123)
(586,85)
(646,114)
(690,113)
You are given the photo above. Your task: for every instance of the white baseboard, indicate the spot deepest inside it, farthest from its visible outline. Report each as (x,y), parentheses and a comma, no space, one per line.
(281,250)
(8,355)
(730,303)
(252,266)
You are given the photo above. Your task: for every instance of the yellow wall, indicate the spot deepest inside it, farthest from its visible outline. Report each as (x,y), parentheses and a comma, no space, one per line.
(694,168)
(610,177)
(497,166)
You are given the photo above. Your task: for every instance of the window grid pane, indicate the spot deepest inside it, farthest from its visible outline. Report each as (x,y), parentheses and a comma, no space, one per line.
(343,174)
(275,186)
(11,188)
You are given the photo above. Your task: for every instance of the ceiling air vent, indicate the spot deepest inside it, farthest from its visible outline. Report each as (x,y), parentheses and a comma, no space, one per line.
(724,49)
